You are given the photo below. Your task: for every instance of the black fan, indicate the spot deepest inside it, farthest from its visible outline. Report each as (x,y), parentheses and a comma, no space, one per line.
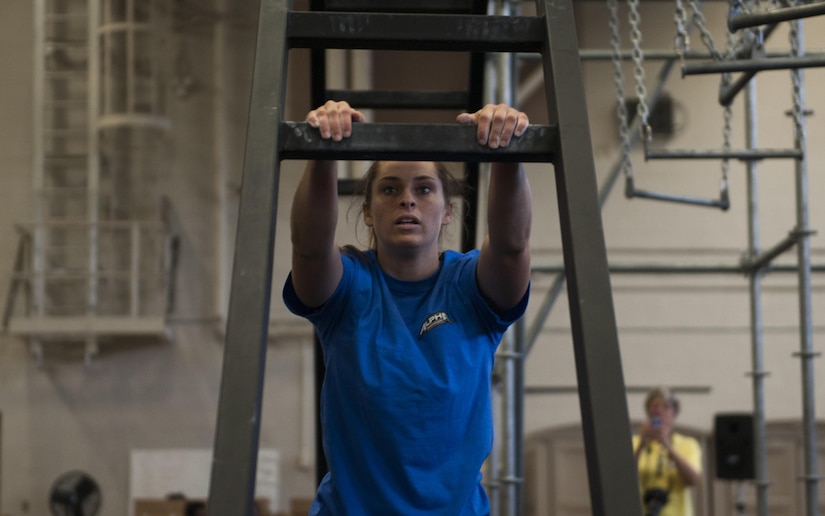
(74,494)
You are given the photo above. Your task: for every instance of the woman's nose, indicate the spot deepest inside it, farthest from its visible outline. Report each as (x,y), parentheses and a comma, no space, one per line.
(407,199)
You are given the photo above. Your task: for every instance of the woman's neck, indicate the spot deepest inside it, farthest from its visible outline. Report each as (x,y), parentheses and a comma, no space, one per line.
(409,267)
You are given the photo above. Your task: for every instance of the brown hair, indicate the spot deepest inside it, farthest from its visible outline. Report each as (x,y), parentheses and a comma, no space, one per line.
(664,393)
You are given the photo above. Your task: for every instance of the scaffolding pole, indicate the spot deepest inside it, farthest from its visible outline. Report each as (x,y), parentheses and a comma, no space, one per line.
(806,353)
(755,288)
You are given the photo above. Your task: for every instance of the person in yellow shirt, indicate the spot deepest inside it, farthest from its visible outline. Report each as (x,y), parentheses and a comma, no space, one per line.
(669,463)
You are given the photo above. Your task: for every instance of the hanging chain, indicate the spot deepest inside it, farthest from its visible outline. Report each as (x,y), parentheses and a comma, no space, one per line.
(707,38)
(618,79)
(798,111)
(639,70)
(726,132)
(681,42)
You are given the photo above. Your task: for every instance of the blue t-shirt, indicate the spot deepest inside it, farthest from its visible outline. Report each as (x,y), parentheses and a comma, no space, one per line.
(405,404)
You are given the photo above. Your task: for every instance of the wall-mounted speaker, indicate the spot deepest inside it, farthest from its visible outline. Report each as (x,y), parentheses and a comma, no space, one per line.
(660,118)
(733,441)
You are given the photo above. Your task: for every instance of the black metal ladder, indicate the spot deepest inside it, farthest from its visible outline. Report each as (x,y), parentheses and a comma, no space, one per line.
(566,144)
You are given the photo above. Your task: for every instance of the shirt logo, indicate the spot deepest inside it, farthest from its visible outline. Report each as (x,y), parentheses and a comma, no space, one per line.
(434,321)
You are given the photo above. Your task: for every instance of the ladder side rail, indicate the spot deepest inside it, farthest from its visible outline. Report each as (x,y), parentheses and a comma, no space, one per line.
(232,483)
(614,488)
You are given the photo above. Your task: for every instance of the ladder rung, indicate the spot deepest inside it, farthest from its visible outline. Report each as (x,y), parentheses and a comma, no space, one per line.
(430,142)
(409,6)
(391,31)
(394,99)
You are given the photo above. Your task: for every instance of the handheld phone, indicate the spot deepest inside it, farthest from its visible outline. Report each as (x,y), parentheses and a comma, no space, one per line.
(655,422)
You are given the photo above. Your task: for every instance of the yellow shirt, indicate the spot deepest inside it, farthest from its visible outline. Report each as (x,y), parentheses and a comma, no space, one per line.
(657,471)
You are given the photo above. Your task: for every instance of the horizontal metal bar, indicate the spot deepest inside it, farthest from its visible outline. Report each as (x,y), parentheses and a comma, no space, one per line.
(393,31)
(737,20)
(680,269)
(631,389)
(755,65)
(395,99)
(741,154)
(436,142)
(650,55)
(407,6)
(695,201)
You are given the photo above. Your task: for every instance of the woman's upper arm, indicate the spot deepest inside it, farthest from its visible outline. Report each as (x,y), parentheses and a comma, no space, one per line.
(315,278)
(503,278)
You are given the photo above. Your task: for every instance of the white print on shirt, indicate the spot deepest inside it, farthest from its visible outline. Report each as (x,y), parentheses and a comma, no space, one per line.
(433,321)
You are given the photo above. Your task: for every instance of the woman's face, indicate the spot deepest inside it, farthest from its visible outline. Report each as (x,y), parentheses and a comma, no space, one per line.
(407,206)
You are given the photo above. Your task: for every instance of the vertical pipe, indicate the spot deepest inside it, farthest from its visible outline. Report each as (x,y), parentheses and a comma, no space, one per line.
(511,475)
(130,30)
(134,270)
(509,479)
(222,166)
(806,353)
(93,151)
(757,358)
(493,483)
(39,158)
(106,71)
(519,344)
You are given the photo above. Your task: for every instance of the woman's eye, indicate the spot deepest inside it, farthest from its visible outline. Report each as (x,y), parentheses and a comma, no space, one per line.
(425,189)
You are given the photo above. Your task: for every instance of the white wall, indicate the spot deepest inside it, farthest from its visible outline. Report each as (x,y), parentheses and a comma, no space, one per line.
(688,331)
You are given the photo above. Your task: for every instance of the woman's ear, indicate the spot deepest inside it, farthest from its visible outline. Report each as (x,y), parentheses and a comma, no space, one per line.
(448,214)
(367,216)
